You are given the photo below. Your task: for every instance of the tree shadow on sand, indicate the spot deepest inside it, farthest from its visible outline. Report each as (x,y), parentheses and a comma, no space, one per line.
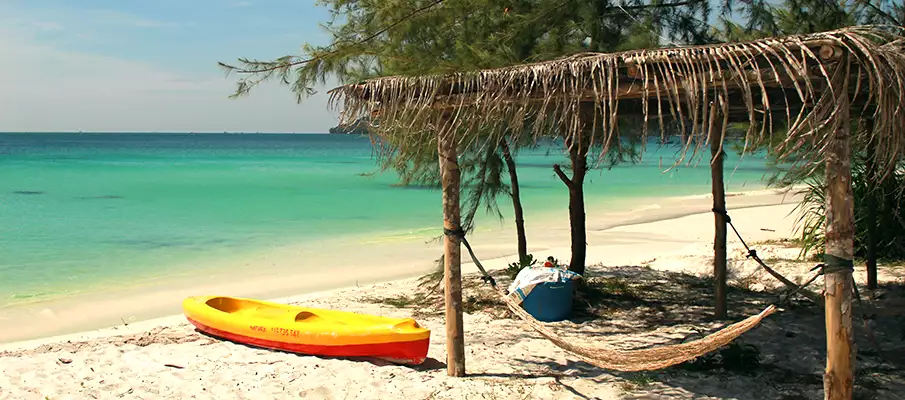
(782,358)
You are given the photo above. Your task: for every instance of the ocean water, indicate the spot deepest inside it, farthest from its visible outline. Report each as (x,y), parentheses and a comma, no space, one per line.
(83,211)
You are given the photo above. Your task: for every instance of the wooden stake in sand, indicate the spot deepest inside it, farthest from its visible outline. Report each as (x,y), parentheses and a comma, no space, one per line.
(719,206)
(838,379)
(452,273)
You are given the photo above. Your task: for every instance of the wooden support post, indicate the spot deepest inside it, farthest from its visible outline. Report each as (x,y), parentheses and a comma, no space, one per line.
(873,189)
(719,205)
(838,379)
(452,273)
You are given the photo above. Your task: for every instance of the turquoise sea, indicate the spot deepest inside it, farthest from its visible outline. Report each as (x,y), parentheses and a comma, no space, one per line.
(84,211)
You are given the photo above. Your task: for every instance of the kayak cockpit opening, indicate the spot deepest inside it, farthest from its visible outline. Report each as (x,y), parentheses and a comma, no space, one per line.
(307,316)
(225,304)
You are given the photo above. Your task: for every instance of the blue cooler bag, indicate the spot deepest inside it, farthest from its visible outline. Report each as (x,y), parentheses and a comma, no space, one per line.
(545,293)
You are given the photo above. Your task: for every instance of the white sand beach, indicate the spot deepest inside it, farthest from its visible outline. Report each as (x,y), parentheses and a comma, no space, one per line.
(167,358)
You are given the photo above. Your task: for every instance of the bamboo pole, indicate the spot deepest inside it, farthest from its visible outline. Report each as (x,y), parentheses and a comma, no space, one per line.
(838,379)
(450,92)
(719,205)
(452,273)
(626,90)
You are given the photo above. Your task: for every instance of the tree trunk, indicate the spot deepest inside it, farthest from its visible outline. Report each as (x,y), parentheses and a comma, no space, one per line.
(719,206)
(838,379)
(455,336)
(872,189)
(516,204)
(579,145)
(579,155)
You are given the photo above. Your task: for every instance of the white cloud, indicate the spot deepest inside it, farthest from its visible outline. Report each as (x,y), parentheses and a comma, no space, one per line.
(49,89)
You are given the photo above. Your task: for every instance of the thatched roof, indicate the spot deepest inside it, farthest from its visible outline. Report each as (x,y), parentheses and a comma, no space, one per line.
(799,79)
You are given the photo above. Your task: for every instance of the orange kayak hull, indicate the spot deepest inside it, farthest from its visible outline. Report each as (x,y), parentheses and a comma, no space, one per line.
(309,331)
(398,352)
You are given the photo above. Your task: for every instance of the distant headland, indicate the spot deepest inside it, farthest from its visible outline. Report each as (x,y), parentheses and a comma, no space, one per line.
(359,127)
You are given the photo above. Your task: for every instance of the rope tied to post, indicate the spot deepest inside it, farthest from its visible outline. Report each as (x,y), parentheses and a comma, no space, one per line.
(832,264)
(752,254)
(459,233)
(722,212)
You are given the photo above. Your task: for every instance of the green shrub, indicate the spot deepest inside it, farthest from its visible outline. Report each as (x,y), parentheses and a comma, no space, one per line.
(513,269)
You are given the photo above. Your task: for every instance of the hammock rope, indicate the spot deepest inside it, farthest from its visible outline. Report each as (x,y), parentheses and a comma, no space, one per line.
(793,288)
(833,264)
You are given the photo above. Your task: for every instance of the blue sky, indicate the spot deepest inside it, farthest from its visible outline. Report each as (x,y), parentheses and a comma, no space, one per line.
(150,65)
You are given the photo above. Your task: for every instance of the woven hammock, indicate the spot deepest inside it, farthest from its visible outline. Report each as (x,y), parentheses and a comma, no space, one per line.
(643,359)
(610,358)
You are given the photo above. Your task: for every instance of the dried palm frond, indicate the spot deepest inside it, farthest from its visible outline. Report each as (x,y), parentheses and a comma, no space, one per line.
(797,81)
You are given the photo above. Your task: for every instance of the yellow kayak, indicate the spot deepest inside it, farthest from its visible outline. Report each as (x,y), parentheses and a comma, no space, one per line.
(308,330)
